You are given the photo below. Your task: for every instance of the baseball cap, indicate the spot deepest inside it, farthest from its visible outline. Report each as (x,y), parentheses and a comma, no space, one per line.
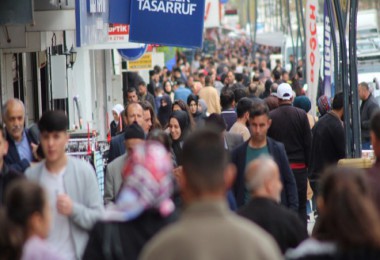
(284,91)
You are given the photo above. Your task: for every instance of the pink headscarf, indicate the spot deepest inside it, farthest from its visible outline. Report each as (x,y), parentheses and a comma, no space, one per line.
(148,183)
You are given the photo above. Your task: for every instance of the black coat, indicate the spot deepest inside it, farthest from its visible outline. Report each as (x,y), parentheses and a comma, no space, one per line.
(366,110)
(328,145)
(289,195)
(124,240)
(290,126)
(283,224)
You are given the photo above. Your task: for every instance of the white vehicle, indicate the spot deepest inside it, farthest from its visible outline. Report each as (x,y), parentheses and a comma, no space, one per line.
(367,24)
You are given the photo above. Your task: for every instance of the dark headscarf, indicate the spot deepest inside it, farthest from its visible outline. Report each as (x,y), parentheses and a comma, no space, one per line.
(190,98)
(266,92)
(302,102)
(184,123)
(164,112)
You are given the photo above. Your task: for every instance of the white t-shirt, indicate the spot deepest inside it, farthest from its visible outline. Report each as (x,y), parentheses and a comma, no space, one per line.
(59,237)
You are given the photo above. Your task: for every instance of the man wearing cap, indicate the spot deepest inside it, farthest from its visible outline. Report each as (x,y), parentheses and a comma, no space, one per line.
(133,135)
(290,126)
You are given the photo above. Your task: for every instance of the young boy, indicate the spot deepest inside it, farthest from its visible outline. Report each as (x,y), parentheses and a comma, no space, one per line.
(71,186)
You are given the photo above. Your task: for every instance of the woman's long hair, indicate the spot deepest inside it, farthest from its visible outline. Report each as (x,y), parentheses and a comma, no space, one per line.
(349,216)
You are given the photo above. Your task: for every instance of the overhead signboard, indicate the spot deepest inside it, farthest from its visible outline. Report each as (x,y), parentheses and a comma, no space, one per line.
(167,22)
(14,12)
(120,11)
(144,63)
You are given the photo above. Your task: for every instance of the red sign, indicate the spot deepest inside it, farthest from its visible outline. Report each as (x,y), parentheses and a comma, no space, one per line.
(118,29)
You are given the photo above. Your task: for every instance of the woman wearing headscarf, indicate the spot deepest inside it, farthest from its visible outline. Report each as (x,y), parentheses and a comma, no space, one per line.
(192,102)
(143,206)
(202,107)
(179,126)
(181,105)
(164,111)
(324,105)
(168,89)
(116,125)
(303,102)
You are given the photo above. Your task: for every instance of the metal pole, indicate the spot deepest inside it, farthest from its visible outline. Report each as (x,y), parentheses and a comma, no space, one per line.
(290,27)
(344,80)
(356,131)
(338,87)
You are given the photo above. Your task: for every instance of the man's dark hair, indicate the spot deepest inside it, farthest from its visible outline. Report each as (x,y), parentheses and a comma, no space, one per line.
(217,122)
(201,75)
(375,123)
(132,89)
(238,77)
(142,83)
(157,69)
(258,109)
(240,93)
(207,81)
(204,161)
(364,85)
(244,105)
(276,75)
(227,98)
(338,101)
(52,121)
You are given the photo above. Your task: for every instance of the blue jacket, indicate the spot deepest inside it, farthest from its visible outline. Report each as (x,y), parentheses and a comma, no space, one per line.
(12,158)
(289,195)
(182,93)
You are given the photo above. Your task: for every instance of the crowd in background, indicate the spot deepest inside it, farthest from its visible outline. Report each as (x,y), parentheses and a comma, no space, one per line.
(216,159)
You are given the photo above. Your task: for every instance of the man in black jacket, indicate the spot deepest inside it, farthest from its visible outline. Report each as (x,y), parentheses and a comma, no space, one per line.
(368,106)
(264,184)
(259,144)
(328,145)
(290,126)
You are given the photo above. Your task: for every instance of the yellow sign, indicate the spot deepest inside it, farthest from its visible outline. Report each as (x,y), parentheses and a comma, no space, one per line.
(144,63)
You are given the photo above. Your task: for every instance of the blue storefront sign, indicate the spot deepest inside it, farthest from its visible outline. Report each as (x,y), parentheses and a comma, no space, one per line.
(167,22)
(120,11)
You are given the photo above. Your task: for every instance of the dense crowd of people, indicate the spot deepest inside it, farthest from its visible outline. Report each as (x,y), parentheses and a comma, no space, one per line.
(211,160)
